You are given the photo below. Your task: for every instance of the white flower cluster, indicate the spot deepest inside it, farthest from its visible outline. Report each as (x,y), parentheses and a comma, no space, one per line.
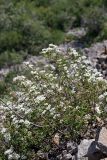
(73,52)
(80,64)
(51,49)
(102,96)
(11,154)
(7,136)
(19,78)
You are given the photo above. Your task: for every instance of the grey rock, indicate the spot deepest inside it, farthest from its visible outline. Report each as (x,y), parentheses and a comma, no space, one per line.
(69,145)
(42,155)
(102,140)
(88,149)
(77,32)
(97,54)
(72,148)
(67,157)
(94,149)
(64,152)
(59,157)
(83,148)
(74,157)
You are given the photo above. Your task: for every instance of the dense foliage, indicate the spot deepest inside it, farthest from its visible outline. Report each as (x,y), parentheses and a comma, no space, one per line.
(30,25)
(62,97)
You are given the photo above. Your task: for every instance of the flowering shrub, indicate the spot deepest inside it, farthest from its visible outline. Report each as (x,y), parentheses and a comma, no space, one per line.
(63,96)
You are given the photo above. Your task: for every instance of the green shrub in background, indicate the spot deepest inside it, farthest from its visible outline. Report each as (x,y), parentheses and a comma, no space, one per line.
(93,20)
(103,32)
(58,36)
(35,36)
(29,26)
(2,87)
(26,29)
(42,3)
(10,40)
(11,58)
(52,99)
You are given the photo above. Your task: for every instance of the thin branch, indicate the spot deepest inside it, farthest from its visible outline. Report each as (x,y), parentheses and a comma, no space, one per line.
(19,115)
(11,109)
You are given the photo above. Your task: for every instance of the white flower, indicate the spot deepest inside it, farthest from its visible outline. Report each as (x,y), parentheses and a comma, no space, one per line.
(43,112)
(15,120)
(101,97)
(13,156)
(83,57)
(33,72)
(42,71)
(9,151)
(65,68)
(49,107)
(52,46)
(19,78)
(87,62)
(3,130)
(56,115)
(73,52)
(16,156)
(87,74)
(27,83)
(52,111)
(26,122)
(7,137)
(3,117)
(87,117)
(1,107)
(60,89)
(52,67)
(100,78)
(10,157)
(31,66)
(26,63)
(97,109)
(40,98)
(28,111)
(105,94)
(21,121)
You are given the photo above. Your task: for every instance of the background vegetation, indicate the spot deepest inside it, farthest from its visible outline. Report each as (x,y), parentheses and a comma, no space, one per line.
(27,26)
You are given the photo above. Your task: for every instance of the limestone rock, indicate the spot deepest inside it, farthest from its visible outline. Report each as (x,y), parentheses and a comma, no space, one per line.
(83,148)
(102,141)
(94,149)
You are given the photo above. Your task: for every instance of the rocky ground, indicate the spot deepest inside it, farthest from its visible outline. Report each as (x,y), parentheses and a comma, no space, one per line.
(88,149)
(97,54)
